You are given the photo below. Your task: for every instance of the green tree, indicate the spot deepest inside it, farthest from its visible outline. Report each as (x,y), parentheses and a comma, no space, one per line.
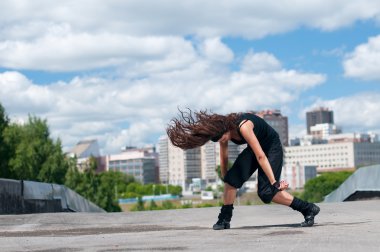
(175,190)
(33,154)
(315,189)
(73,177)
(112,185)
(4,150)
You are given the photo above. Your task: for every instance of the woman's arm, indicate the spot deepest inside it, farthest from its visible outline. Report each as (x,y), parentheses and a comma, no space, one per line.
(223,158)
(247,132)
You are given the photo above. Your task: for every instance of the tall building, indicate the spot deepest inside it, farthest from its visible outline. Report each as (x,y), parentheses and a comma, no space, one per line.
(139,163)
(210,153)
(318,116)
(177,166)
(163,158)
(278,122)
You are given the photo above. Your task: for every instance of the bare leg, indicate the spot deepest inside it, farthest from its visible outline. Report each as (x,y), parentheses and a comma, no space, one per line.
(229,194)
(283,198)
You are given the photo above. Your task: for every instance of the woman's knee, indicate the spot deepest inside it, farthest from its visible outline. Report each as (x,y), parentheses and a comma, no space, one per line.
(227,186)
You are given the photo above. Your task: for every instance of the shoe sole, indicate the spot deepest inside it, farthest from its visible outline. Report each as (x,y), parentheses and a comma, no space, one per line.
(220,227)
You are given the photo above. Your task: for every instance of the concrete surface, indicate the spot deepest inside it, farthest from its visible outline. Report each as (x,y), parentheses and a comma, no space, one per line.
(348,226)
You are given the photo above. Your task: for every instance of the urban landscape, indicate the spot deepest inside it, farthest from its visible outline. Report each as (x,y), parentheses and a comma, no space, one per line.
(189,125)
(324,149)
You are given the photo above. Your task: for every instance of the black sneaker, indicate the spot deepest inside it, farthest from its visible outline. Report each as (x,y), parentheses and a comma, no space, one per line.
(221,224)
(309,216)
(224,218)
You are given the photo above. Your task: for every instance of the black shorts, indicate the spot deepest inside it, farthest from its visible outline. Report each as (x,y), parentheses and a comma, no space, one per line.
(246,164)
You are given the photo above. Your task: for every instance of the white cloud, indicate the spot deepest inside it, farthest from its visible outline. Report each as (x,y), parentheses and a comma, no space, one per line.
(134,109)
(90,34)
(17,92)
(364,61)
(206,18)
(258,62)
(72,52)
(356,112)
(214,50)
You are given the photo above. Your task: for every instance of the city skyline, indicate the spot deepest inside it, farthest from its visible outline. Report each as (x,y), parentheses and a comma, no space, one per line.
(116,71)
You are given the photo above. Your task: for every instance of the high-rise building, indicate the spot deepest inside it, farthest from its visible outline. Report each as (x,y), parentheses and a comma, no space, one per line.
(278,122)
(210,153)
(318,116)
(163,159)
(177,166)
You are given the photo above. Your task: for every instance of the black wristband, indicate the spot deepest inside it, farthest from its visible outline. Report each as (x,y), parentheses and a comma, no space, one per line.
(277,185)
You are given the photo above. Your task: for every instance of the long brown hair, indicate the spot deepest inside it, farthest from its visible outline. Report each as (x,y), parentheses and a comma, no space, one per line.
(193,129)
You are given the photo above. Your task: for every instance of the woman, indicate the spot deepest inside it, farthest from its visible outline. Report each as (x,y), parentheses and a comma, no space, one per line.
(264,152)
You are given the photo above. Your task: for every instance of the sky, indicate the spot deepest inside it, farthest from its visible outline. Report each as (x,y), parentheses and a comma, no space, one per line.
(117,71)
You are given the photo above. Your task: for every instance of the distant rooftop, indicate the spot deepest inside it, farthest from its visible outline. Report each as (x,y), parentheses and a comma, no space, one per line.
(85,148)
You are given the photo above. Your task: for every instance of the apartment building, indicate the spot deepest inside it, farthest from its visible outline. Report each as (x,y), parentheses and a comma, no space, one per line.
(334,156)
(141,163)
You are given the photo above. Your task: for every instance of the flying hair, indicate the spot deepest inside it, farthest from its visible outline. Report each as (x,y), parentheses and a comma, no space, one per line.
(191,129)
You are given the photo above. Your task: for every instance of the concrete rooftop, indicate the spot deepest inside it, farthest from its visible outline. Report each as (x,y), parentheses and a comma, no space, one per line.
(348,226)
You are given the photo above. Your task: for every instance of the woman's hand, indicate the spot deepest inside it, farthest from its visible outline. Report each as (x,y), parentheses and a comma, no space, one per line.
(283,185)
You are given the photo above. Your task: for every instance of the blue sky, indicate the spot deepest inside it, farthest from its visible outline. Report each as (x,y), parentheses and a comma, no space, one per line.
(117,71)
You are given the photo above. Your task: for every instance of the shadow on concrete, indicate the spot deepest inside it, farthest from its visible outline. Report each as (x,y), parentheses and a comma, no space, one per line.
(98,230)
(292,225)
(297,225)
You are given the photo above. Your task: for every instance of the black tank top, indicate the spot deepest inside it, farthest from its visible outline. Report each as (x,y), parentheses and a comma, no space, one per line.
(264,132)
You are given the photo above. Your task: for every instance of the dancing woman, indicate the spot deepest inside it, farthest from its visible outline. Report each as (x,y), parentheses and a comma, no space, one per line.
(264,152)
